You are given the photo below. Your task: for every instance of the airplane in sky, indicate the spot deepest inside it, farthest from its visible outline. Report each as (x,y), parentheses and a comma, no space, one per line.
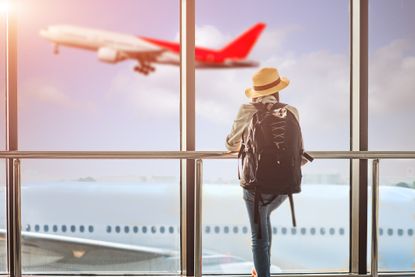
(134,227)
(114,47)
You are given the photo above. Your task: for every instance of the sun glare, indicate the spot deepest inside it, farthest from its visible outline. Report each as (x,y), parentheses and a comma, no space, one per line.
(4,6)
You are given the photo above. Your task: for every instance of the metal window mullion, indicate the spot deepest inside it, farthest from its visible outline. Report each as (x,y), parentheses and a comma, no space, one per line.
(359,135)
(13,204)
(187,133)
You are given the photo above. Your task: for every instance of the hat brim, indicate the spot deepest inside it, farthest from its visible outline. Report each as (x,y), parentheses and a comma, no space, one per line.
(252,93)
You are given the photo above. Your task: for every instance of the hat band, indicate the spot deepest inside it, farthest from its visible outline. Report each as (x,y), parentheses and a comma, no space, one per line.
(267,86)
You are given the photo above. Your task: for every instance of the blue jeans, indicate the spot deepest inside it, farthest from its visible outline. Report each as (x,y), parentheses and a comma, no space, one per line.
(261,248)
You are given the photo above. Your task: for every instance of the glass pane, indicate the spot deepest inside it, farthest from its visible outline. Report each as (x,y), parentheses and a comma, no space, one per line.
(319,243)
(307,43)
(3,255)
(391,71)
(101,217)
(396,233)
(72,98)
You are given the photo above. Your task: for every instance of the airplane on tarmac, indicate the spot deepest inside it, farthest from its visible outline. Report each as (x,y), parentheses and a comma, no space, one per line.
(134,227)
(114,47)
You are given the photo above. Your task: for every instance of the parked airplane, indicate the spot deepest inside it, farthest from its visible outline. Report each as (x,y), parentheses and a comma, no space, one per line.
(115,47)
(89,226)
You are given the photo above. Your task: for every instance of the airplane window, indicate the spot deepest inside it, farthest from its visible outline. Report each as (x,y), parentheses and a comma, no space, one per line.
(73,228)
(207,229)
(144,229)
(380,232)
(244,229)
(91,228)
(126,229)
(341,231)
(171,230)
(410,232)
(284,230)
(400,232)
(217,229)
(226,229)
(235,229)
(45,228)
(135,229)
(293,231)
(55,228)
(313,231)
(274,230)
(63,228)
(153,229)
(37,228)
(331,231)
(390,231)
(162,229)
(303,231)
(82,228)
(28,228)
(117,229)
(109,229)
(322,231)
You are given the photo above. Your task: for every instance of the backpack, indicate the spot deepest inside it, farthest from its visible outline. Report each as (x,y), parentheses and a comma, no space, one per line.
(271,154)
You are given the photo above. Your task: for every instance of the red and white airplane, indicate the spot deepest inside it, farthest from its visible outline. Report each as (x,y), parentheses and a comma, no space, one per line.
(115,47)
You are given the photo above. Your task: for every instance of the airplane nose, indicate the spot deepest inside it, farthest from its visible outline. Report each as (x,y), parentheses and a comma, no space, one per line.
(43,33)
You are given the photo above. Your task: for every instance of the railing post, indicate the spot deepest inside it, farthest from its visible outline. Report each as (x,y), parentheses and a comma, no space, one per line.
(375,217)
(198,217)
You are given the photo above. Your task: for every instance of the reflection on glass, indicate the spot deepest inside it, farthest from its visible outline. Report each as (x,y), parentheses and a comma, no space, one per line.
(80,81)
(2,81)
(122,217)
(396,217)
(3,259)
(319,243)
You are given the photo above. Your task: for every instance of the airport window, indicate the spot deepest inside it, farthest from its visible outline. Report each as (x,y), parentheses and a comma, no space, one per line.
(171,230)
(153,229)
(135,229)
(390,232)
(144,229)
(284,230)
(45,228)
(244,229)
(313,231)
(400,232)
(73,228)
(207,229)
(293,231)
(82,228)
(63,228)
(162,229)
(217,229)
(226,229)
(410,232)
(117,229)
(37,228)
(28,227)
(235,229)
(126,229)
(274,230)
(109,229)
(331,231)
(303,231)
(90,228)
(322,231)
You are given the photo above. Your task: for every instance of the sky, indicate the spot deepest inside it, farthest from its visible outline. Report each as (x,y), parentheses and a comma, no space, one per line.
(72,101)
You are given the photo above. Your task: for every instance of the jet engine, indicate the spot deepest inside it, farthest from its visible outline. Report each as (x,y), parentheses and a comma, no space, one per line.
(109,55)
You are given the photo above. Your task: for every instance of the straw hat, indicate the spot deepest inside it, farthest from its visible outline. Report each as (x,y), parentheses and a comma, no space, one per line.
(266,81)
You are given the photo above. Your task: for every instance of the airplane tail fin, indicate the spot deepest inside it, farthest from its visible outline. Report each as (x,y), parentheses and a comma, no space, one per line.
(241,46)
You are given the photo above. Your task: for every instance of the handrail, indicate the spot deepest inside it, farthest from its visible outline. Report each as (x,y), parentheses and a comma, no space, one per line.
(193,154)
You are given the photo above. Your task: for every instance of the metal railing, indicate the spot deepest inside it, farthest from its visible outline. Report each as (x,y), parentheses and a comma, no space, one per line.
(14,207)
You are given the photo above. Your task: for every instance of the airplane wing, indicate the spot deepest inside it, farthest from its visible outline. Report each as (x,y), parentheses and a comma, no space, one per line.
(40,248)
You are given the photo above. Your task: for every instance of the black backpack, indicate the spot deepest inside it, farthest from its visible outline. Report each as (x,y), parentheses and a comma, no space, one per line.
(271,154)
